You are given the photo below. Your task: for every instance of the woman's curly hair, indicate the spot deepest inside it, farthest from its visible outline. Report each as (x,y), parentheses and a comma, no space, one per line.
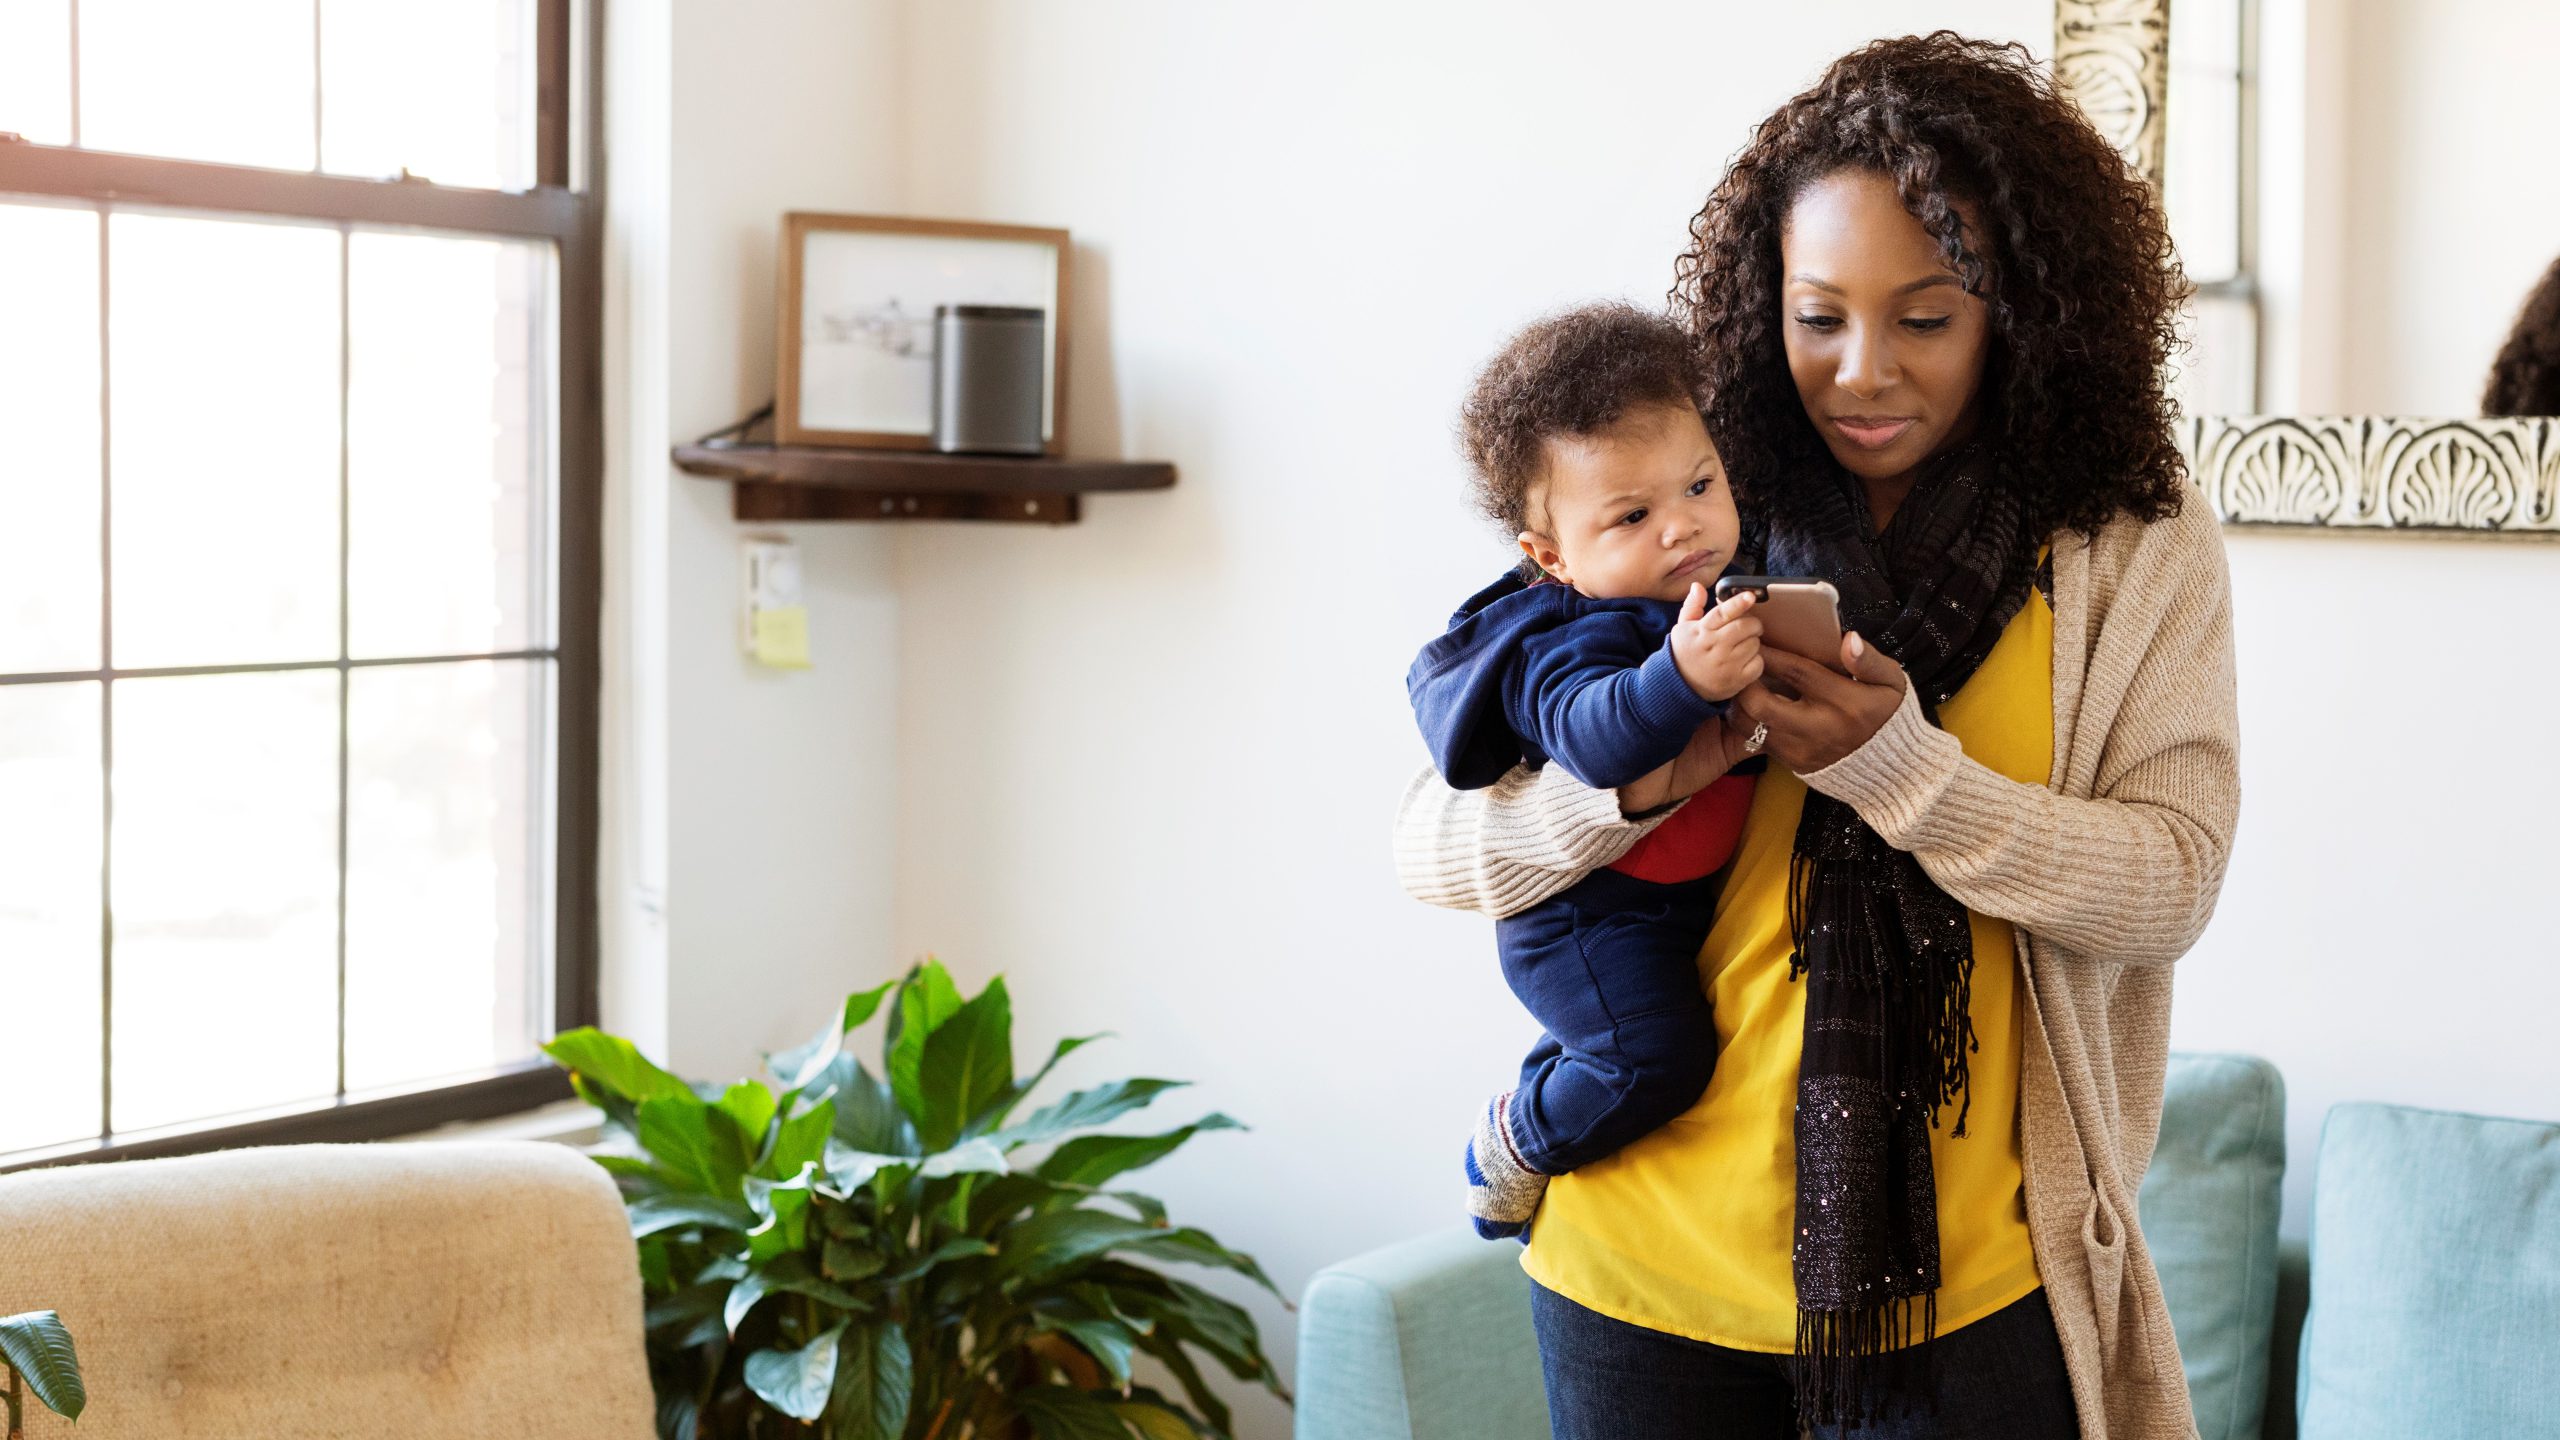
(2525,380)
(2077,272)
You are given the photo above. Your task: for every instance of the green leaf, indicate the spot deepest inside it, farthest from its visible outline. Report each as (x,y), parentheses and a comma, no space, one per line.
(1186,1312)
(875,1383)
(867,1116)
(916,1266)
(802,1139)
(1005,1198)
(1155,1420)
(796,1382)
(38,1346)
(666,1212)
(844,1260)
(1092,1159)
(750,1107)
(970,1157)
(966,1067)
(698,1145)
(926,1001)
(801,1064)
(851,1169)
(679,1417)
(742,1298)
(1056,1412)
(1045,1247)
(1022,1089)
(1082,1108)
(786,1224)
(790,1274)
(694,1311)
(1108,1342)
(614,1063)
(1174,1359)
(1197,1248)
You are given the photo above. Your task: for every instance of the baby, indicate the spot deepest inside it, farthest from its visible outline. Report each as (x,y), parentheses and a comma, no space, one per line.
(1600,655)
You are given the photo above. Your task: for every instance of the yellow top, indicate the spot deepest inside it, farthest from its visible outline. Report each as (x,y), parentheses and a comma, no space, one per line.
(1687,1230)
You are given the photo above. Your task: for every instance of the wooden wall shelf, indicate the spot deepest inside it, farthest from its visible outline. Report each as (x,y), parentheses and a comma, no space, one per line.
(795,482)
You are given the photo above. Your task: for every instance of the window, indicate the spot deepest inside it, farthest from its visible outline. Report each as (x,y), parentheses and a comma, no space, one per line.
(299,454)
(2208,188)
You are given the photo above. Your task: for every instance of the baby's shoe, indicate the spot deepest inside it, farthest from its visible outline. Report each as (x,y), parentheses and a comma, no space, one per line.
(1502,1191)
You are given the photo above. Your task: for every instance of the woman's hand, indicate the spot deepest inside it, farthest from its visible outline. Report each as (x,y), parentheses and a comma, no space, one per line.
(1828,714)
(1717,746)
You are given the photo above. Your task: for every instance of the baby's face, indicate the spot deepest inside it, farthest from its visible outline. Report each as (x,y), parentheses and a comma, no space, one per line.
(1640,510)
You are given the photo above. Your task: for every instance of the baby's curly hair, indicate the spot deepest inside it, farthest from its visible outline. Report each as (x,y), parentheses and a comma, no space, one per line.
(1577,372)
(2076,269)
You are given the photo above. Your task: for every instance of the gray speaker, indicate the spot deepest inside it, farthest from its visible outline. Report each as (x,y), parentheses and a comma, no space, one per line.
(990,378)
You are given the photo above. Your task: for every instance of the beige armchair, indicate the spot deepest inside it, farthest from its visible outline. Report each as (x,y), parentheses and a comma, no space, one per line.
(382,1291)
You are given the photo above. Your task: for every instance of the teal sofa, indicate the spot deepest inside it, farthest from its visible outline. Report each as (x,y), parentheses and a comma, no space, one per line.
(2435,1238)
(1430,1339)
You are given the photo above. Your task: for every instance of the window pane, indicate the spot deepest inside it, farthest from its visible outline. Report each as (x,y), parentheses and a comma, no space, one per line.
(2218,374)
(223,350)
(35,69)
(226,904)
(228,81)
(448,445)
(49,966)
(2202,185)
(448,868)
(446,90)
(49,458)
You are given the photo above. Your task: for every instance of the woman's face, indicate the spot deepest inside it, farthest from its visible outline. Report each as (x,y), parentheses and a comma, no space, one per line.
(1886,347)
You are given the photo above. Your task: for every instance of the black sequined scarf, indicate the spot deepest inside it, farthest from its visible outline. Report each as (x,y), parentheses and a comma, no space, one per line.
(1886,956)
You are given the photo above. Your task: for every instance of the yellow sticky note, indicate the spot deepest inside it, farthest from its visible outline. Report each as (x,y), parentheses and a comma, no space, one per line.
(782,637)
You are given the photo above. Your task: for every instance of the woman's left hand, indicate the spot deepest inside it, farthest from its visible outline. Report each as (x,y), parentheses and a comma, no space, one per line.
(1829,714)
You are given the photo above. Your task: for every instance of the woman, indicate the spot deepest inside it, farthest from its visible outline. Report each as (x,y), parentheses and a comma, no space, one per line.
(1934,306)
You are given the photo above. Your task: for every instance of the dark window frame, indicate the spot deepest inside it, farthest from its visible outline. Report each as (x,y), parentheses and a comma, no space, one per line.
(565,206)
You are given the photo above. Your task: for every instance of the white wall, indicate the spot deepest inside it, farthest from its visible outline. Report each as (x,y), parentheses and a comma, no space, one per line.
(780,859)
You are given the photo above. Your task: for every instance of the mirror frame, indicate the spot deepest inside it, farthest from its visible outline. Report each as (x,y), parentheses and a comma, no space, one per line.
(2352,473)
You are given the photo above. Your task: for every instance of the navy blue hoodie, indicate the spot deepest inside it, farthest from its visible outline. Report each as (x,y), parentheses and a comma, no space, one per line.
(1531,673)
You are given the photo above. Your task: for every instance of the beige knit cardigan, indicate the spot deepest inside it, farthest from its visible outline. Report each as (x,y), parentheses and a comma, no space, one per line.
(2108,873)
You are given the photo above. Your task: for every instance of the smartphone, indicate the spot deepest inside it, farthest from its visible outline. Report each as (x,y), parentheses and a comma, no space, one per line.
(1796,615)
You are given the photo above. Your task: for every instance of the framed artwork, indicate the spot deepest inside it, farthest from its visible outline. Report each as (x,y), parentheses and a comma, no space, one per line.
(857,297)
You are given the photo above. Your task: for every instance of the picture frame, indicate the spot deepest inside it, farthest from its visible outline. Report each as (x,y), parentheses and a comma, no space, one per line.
(856,296)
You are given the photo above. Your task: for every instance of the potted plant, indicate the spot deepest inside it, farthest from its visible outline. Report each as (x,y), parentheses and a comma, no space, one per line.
(37,1347)
(865,1257)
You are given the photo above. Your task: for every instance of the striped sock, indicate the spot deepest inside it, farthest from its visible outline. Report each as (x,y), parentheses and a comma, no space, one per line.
(1502,1191)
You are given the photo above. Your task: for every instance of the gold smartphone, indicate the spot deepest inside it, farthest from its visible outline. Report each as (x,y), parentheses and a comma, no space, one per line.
(1799,616)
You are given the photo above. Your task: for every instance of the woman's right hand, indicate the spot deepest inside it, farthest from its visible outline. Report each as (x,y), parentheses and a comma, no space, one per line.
(1715,748)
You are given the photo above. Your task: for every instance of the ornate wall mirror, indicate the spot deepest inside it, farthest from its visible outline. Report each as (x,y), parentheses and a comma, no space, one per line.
(2355,190)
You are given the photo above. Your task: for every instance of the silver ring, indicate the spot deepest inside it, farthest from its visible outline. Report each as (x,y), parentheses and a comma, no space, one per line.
(1759,737)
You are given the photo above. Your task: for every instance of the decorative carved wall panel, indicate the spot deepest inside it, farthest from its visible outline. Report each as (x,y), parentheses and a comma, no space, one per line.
(2374,472)
(2113,57)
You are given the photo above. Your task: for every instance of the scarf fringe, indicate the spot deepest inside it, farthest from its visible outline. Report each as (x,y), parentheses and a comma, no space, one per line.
(1926,999)
(1844,1358)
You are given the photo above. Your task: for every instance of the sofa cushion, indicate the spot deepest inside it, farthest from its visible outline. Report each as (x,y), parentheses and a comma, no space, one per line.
(1428,1339)
(2435,1276)
(2210,1204)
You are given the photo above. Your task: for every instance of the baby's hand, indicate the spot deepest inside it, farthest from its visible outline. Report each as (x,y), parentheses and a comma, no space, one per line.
(1718,650)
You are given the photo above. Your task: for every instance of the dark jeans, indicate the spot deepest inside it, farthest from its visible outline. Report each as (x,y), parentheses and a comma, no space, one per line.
(1999,1378)
(1610,968)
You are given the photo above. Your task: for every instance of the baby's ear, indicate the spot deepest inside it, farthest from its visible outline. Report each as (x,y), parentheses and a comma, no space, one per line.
(1542,553)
